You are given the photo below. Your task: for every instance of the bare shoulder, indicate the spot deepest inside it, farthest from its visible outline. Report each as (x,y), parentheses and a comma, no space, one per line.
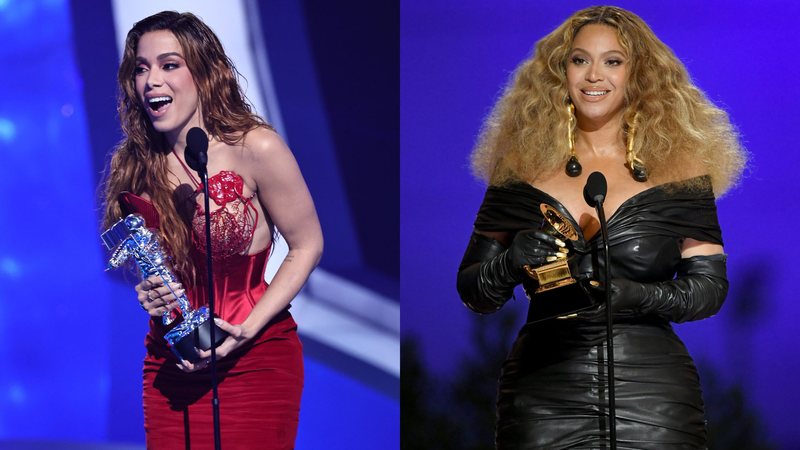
(265,156)
(268,162)
(691,247)
(262,143)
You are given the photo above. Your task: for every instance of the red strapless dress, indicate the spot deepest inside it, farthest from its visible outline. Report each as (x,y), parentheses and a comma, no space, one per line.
(261,383)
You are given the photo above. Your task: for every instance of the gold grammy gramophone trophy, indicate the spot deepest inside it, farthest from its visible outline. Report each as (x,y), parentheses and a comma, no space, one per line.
(574,295)
(557,273)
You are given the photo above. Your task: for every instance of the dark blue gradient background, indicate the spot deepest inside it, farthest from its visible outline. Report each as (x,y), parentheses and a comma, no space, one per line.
(456,56)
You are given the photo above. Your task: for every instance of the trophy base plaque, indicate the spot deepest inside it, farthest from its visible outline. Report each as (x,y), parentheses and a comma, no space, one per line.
(194,332)
(551,276)
(199,338)
(563,303)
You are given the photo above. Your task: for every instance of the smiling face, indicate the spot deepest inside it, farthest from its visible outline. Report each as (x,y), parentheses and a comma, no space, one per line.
(597,72)
(165,85)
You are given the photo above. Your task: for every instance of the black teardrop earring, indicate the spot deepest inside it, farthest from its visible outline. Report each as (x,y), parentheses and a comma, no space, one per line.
(636,166)
(573,165)
(639,173)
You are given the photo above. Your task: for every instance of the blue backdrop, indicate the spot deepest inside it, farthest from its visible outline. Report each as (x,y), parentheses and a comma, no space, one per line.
(73,336)
(455,58)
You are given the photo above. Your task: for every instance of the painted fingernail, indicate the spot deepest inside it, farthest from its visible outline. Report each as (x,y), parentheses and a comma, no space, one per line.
(551,258)
(560,243)
(561,255)
(564,250)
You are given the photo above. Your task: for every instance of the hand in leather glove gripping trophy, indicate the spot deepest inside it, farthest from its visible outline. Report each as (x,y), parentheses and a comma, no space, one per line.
(488,272)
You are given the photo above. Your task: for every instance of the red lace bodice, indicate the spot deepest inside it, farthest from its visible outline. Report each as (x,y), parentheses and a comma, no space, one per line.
(232,223)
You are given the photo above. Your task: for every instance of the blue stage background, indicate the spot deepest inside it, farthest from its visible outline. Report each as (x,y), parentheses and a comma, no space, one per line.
(456,56)
(73,335)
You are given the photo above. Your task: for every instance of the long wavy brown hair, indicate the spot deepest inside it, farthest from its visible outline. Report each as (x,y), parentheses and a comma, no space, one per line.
(679,132)
(139,162)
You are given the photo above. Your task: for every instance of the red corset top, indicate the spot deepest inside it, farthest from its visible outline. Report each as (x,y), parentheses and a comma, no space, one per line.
(232,223)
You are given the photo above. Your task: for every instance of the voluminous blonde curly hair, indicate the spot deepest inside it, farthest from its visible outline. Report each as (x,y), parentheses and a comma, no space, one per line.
(679,132)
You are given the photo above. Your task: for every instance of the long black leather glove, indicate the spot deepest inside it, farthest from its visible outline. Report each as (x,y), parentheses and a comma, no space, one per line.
(696,293)
(488,272)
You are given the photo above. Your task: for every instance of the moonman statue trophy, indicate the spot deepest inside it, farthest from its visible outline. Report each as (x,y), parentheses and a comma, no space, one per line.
(130,238)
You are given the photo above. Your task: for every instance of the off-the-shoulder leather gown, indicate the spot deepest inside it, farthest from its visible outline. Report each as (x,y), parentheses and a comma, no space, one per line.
(552,390)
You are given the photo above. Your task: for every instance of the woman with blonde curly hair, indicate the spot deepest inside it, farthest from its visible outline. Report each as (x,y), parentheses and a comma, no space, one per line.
(175,76)
(601,94)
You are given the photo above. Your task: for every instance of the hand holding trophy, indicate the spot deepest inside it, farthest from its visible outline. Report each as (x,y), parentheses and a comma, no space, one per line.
(129,238)
(556,273)
(562,273)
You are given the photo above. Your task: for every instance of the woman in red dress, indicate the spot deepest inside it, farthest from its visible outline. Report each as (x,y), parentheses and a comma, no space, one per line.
(174,76)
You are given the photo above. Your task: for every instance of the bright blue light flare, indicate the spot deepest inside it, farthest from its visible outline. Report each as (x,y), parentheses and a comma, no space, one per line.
(9,267)
(7,129)
(16,394)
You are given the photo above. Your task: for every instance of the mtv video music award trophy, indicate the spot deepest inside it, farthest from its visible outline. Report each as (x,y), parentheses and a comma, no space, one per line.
(130,238)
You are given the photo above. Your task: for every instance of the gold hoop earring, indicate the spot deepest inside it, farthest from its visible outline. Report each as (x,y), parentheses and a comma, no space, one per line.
(635,165)
(573,165)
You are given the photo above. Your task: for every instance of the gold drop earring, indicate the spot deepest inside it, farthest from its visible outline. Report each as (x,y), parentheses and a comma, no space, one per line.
(573,166)
(635,165)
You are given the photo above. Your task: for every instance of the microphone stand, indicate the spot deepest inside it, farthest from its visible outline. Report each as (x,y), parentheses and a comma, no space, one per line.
(209,271)
(612,413)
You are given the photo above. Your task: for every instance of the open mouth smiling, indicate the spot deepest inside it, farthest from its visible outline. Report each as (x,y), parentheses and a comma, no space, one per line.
(156,103)
(595,92)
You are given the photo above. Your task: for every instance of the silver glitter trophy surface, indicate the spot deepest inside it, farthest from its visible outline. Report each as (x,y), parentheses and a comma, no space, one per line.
(130,238)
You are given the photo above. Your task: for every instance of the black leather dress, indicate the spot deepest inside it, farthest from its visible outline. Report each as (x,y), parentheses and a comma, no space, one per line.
(552,390)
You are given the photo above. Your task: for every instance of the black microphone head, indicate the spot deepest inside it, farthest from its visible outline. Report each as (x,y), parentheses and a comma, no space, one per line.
(595,190)
(196,153)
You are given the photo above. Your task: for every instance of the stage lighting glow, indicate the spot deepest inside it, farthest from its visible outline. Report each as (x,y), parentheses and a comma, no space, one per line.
(9,267)
(7,129)
(16,394)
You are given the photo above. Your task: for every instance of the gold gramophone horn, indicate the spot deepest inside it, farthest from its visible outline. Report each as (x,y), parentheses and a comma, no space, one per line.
(558,222)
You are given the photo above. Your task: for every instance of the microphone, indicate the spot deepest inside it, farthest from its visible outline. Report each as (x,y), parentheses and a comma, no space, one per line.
(196,156)
(196,153)
(595,190)
(595,193)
